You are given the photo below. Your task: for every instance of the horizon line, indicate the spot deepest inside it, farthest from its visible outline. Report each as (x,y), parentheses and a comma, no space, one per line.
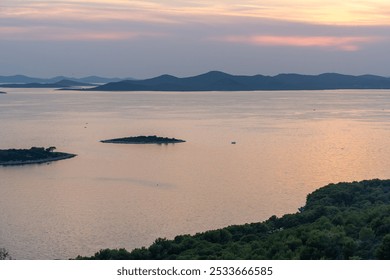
(186,76)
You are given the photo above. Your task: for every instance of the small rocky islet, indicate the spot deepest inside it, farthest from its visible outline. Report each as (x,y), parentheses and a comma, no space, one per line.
(143,140)
(34,155)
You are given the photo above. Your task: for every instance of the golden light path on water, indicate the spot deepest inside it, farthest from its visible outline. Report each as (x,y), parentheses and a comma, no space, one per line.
(110,196)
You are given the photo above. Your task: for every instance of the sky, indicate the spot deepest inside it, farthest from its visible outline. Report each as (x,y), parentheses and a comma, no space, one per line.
(142,39)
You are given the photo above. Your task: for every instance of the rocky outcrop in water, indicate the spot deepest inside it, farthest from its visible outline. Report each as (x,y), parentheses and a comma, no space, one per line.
(144,140)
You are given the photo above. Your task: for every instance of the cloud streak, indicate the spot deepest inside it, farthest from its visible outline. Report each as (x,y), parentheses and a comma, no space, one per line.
(86,11)
(352,12)
(333,42)
(44,33)
(118,20)
(153,35)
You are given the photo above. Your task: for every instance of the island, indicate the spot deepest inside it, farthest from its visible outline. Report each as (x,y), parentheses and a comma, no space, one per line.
(144,140)
(22,79)
(3,92)
(60,84)
(344,221)
(220,81)
(33,155)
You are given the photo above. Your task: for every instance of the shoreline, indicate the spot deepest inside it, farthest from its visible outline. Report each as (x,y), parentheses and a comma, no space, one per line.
(339,221)
(37,161)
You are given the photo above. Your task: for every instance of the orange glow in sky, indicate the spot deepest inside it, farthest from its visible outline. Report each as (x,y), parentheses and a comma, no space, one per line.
(215,31)
(342,43)
(352,12)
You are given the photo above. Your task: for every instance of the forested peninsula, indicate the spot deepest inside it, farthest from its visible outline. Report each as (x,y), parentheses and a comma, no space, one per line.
(338,222)
(33,155)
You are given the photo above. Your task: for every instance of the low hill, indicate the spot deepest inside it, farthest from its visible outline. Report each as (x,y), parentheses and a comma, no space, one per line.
(219,81)
(60,84)
(22,79)
(339,221)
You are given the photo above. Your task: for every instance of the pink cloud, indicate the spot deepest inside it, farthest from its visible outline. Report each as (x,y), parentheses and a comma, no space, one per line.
(69,34)
(103,11)
(92,36)
(350,43)
(11,30)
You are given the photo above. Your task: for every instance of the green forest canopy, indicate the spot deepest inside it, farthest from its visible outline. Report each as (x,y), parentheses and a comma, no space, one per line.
(339,221)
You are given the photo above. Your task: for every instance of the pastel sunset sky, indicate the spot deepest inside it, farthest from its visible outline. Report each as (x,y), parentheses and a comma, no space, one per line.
(143,39)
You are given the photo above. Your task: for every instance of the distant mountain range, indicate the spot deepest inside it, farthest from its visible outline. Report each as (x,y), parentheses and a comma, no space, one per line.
(59,84)
(211,81)
(21,79)
(220,81)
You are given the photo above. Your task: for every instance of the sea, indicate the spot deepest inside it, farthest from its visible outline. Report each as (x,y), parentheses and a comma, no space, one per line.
(247,156)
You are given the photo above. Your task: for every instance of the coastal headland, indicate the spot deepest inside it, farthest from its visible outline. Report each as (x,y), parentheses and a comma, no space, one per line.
(34,155)
(338,222)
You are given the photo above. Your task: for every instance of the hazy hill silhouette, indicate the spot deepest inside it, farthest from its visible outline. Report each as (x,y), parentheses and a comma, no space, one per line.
(220,81)
(210,81)
(60,84)
(22,79)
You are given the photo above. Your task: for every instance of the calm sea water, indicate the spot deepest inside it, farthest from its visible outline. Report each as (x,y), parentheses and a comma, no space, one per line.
(114,196)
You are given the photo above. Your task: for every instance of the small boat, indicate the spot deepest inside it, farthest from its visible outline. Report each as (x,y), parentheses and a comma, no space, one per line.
(233,142)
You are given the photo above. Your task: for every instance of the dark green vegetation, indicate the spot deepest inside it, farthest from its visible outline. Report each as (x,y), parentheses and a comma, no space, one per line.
(144,140)
(30,156)
(219,81)
(4,255)
(339,221)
